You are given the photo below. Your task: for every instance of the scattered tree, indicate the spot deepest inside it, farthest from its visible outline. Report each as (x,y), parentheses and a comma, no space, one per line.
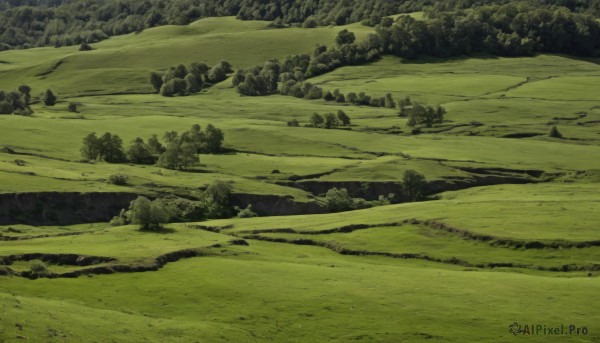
(343,117)
(140,153)
(150,215)
(49,98)
(217,198)
(338,200)
(316,120)
(413,184)
(554,133)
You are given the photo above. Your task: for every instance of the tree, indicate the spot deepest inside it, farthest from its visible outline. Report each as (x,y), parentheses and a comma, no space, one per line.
(49,98)
(217,198)
(111,148)
(345,37)
(167,88)
(316,120)
(188,155)
(343,117)
(139,152)
(156,81)
(5,107)
(170,157)
(413,184)
(193,83)
(330,121)
(25,95)
(389,101)
(213,139)
(156,148)
(554,133)
(352,97)
(91,147)
(72,107)
(179,86)
(150,215)
(328,96)
(338,200)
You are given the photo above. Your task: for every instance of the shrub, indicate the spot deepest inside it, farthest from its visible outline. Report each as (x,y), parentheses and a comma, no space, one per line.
(38,268)
(49,98)
(247,213)
(118,179)
(293,123)
(150,215)
(554,133)
(85,47)
(217,198)
(413,184)
(72,107)
(338,200)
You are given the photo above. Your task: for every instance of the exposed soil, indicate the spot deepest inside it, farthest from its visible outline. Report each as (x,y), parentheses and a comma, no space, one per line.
(61,208)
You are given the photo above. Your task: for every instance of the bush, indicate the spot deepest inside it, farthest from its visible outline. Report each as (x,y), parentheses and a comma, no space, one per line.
(49,98)
(293,123)
(85,47)
(38,268)
(118,179)
(338,200)
(150,215)
(72,107)
(247,213)
(413,184)
(554,133)
(217,198)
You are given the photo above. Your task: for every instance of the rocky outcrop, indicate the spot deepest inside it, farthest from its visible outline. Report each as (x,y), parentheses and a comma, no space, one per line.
(61,208)
(274,205)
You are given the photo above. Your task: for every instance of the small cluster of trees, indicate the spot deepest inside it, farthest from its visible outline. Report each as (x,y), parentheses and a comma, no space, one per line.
(295,69)
(184,80)
(214,202)
(413,187)
(19,101)
(361,99)
(16,102)
(179,151)
(420,114)
(329,120)
(108,147)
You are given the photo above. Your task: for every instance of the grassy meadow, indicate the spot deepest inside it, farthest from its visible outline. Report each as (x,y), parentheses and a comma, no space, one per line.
(459,267)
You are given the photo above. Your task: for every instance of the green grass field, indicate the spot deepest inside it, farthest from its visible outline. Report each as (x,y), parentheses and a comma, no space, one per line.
(512,236)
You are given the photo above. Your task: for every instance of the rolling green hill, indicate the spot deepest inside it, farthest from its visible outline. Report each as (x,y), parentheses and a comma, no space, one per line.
(508,232)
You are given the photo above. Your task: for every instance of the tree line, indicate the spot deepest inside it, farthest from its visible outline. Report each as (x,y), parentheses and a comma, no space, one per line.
(512,29)
(295,69)
(31,23)
(179,151)
(187,79)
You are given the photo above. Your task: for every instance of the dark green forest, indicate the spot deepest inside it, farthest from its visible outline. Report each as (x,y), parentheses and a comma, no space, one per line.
(498,26)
